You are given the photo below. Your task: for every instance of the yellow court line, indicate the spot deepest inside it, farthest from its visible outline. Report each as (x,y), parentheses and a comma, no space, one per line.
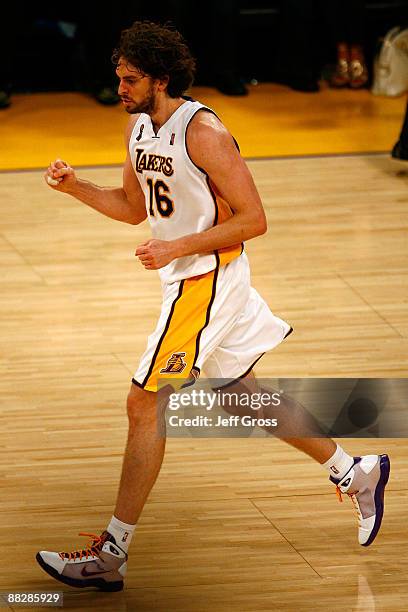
(271,121)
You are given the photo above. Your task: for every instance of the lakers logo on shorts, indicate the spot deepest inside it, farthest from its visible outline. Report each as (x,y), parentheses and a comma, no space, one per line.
(175,365)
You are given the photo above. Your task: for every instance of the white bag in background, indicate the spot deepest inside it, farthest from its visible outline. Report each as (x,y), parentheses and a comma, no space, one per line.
(391,65)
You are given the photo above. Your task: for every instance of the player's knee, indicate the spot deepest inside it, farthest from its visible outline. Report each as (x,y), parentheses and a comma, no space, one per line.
(141,407)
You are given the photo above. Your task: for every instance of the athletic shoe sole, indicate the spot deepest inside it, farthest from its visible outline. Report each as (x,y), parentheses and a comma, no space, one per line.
(101,584)
(379,497)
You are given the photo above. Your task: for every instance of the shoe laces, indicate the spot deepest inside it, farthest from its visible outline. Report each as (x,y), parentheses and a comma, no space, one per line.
(92,549)
(353,498)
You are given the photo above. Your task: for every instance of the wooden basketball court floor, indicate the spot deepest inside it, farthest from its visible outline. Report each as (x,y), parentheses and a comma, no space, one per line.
(232,524)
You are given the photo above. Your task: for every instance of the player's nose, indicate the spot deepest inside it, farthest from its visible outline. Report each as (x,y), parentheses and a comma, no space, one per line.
(121,89)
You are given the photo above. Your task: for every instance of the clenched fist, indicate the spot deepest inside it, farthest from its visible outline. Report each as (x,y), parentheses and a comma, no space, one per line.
(155,254)
(60,176)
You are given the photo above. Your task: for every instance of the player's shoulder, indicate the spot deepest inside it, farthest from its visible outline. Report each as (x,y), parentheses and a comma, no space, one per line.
(130,126)
(206,127)
(209,143)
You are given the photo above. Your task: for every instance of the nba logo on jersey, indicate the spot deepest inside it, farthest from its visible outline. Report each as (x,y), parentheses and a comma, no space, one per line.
(175,365)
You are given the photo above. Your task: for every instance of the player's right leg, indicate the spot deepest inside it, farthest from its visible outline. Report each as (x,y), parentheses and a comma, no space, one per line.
(102,563)
(144,451)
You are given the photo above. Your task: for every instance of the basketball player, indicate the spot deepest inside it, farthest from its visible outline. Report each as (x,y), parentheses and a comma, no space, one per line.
(184,173)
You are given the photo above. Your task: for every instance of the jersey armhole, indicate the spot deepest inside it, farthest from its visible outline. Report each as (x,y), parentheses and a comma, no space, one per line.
(207,110)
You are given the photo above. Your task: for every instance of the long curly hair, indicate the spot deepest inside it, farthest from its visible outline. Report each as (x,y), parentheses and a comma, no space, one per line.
(158,51)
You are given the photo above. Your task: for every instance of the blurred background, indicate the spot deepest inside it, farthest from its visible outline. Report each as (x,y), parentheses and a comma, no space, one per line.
(67,47)
(287,77)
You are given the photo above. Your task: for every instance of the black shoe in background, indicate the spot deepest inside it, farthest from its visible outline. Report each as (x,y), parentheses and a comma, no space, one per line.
(399,152)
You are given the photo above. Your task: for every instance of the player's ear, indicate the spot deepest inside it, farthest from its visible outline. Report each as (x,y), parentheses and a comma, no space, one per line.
(163,83)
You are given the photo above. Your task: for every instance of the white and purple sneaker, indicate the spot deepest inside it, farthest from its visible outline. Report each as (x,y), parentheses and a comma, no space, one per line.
(365,483)
(101,564)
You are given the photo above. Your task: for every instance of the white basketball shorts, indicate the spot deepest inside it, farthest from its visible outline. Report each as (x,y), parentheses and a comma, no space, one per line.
(214,322)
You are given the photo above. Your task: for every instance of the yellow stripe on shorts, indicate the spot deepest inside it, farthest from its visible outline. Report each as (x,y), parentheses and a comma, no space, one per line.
(179,345)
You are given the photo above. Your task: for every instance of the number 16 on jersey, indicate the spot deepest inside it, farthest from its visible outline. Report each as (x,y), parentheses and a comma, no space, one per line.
(158,198)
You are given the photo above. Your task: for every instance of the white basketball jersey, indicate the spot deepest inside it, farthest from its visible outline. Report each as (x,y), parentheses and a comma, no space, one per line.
(180,197)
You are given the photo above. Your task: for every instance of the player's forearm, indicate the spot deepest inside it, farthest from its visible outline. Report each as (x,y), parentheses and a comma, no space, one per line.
(233,231)
(110,201)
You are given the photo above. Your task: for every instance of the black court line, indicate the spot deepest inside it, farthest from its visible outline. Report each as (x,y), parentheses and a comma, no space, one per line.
(248,159)
(319,156)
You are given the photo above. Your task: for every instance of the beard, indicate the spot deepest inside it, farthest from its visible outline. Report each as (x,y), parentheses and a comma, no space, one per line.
(147,105)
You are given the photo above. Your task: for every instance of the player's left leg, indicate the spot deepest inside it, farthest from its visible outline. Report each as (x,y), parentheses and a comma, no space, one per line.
(362,478)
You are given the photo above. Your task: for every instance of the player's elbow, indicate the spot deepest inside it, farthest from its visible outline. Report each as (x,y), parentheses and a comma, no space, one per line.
(134,208)
(253,228)
(263,226)
(136,215)
(136,219)
(260,225)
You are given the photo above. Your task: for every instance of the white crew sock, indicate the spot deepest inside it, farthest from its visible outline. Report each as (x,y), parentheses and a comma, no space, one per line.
(122,532)
(339,464)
